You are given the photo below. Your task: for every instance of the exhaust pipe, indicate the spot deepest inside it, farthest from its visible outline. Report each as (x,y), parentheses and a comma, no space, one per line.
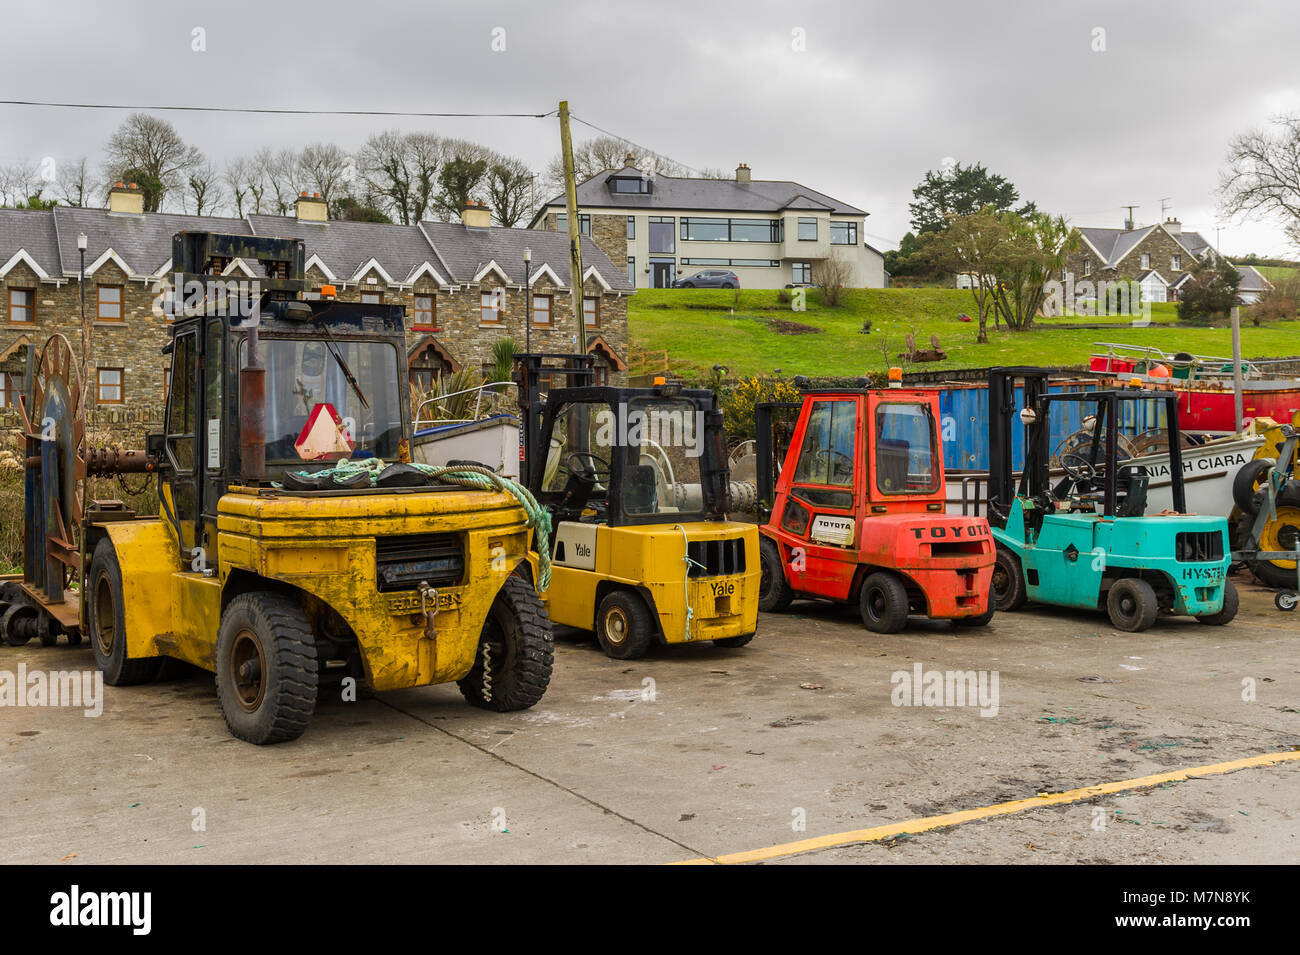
(252,409)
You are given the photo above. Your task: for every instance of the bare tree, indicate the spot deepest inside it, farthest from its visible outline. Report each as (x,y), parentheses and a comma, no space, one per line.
(18,182)
(246,180)
(1263,174)
(203,188)
(589,158)
(507,185)
(151,151)
(278,171)
(73,182)
(832,274)
(399,172)
(324,168)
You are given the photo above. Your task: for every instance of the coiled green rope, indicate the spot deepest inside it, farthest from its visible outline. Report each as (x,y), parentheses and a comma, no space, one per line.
(474,478)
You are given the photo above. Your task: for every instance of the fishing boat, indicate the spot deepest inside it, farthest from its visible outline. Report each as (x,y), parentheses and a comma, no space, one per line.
(1204,384)
(489,438)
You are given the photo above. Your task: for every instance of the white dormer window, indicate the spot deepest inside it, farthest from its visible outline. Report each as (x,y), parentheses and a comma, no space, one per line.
(1146,260)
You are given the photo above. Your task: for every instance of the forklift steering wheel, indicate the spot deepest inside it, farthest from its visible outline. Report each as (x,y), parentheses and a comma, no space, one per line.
(1084,471)
(598,463)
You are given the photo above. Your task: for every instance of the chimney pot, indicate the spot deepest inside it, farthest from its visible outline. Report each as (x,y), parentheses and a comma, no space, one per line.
(303,194)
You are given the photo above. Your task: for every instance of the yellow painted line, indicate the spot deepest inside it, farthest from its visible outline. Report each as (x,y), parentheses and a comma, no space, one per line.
(876,833)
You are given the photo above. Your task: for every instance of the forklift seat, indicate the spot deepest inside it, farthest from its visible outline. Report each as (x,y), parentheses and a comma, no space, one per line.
(640,495)
(892,457)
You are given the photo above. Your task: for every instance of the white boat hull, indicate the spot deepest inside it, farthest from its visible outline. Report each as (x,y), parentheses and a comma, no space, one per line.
(1208,472)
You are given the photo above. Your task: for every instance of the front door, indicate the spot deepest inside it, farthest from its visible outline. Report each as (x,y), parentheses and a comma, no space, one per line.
(662,272)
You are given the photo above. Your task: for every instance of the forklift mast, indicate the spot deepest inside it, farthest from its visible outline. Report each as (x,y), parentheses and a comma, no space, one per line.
(1035,479)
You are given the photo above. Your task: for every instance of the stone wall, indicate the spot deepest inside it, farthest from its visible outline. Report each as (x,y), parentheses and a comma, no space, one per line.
(609,232)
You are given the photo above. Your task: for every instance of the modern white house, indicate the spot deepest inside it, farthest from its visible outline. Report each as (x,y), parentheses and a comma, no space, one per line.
(771,233)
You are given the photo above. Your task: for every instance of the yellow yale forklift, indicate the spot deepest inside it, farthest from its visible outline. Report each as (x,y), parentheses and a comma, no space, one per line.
(295,548)
(637,485)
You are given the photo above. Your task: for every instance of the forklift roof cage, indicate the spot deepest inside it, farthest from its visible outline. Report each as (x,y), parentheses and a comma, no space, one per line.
(1034,479)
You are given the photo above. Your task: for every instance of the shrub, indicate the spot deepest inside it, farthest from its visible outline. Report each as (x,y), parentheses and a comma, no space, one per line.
(737,402)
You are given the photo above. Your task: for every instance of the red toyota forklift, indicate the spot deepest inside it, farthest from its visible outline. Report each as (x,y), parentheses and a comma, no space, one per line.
(857,513)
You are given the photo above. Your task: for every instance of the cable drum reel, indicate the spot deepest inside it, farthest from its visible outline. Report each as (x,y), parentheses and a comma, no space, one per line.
(53,490)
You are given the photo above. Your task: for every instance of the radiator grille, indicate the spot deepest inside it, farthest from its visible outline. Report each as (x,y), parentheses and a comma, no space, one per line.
(716,558)
(1199,546)
(402,562)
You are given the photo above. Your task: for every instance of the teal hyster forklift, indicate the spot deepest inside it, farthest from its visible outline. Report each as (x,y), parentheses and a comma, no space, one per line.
(1086,540)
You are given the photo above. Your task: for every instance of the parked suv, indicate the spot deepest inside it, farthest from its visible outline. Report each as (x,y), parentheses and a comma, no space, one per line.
(710,278)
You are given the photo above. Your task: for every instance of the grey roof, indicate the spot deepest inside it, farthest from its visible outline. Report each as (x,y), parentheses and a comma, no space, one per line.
(466,251)
(144,243)
(1252,280)
(33,231)
(1147,273)
(1114,244)
(705,195)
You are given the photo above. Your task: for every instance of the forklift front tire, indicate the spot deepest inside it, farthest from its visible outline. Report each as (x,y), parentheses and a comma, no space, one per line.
(1008,591)
(108,622)
(1132,604)
(625,628)
(267,671)
(883,602)
(515,670)
(732,643)
(1229,609)
(774,593)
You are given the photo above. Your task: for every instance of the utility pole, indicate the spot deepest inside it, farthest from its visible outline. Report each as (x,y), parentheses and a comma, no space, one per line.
(575,245)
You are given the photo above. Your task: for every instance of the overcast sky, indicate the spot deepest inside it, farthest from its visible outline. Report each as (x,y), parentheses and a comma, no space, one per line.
(881,92)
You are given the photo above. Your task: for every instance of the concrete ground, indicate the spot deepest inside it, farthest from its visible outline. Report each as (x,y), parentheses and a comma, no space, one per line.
(701,751)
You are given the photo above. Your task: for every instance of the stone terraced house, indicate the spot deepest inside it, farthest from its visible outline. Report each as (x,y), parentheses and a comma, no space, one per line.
(462,283)
(1159,257)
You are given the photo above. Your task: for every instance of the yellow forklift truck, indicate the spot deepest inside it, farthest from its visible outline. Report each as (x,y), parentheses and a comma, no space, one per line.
(294,548)
(637,485)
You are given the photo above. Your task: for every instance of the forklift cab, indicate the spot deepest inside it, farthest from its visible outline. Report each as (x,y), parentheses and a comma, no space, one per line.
(856,454)
(628,456)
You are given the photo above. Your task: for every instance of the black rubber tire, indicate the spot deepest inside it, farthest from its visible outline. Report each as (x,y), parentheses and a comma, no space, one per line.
(1246,483)
(518,631)
(729,285)
(731,643)
(687,285)
(1286,600)
(109,646)
(282,636)
(882,602)
(774,593)
(1132,605)
(1007,591)
(625,626)
(9,620)
(1229,610)
(1268,572)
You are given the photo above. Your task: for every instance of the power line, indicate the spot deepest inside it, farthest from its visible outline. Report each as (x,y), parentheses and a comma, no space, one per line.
(630,142)
(280,112)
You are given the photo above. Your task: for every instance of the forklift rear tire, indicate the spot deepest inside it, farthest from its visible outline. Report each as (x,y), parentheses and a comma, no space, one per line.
(1132,604)
(1008,589)
(267,671)
(774,593)
(883,602)
(1229,610)
(516,670)
(108,622)
(625,627)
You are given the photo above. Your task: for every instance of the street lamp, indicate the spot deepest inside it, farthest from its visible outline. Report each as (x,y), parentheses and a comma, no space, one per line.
(85,335)
(528,300)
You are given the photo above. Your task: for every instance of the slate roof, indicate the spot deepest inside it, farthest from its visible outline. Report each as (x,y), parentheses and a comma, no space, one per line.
(1252,280)
(1114,244)
(144,243)
(704,195)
